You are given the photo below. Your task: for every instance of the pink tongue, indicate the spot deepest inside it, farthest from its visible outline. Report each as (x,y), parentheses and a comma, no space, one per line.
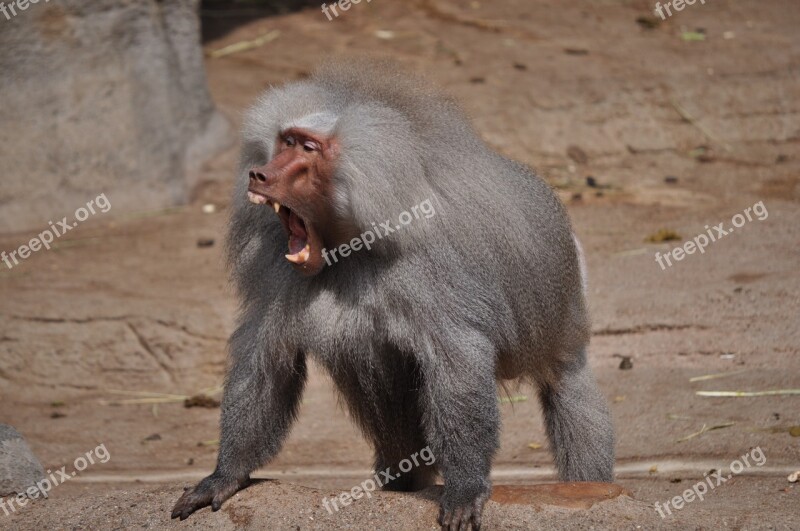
(298,236)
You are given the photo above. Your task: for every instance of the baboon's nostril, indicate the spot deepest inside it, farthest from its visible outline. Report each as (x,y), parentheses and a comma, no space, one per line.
(257,176)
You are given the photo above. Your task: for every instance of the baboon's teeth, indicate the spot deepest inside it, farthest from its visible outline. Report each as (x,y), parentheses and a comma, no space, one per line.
(276,206)
(300,257)
(256,198)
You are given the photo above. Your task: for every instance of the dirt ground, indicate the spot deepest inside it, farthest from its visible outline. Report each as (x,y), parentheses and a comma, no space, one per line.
(640,128)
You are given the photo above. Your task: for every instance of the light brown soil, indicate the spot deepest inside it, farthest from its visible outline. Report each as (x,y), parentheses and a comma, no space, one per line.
(132,303)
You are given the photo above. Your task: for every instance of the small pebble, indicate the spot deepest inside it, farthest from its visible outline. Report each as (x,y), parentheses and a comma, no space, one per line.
(577,154)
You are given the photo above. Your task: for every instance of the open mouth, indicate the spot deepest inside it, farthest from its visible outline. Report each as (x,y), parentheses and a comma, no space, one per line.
(299,241)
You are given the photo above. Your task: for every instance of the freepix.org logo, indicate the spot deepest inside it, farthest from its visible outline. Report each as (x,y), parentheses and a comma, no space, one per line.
(13,8)
(56,230)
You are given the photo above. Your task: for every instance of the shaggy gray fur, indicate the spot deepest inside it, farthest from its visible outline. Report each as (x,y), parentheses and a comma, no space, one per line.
(416,332)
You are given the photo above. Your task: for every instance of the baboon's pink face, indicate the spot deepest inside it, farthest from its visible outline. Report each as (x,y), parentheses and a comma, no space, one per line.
(297,184)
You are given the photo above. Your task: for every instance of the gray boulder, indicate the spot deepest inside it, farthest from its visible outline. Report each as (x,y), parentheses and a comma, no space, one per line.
(19,468)
(108,96)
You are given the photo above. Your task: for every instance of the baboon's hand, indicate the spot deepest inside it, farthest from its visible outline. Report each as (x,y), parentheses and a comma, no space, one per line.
(458,517)
(213,491)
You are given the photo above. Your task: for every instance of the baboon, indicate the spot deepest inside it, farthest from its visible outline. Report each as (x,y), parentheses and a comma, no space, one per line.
(419,327)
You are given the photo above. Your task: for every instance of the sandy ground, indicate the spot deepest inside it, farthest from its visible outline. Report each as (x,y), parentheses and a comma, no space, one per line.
(676,134)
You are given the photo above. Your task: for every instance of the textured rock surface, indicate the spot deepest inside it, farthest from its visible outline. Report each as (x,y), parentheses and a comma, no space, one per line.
(19,468)
(278,505)
(108,96)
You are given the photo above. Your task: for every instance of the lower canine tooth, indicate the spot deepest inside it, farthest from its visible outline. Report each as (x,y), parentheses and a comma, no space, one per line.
(300,257)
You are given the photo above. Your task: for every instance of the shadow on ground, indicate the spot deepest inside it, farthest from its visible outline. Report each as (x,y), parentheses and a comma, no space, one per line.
(220,17)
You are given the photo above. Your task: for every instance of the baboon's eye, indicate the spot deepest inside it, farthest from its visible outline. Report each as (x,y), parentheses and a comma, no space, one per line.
(290,141)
